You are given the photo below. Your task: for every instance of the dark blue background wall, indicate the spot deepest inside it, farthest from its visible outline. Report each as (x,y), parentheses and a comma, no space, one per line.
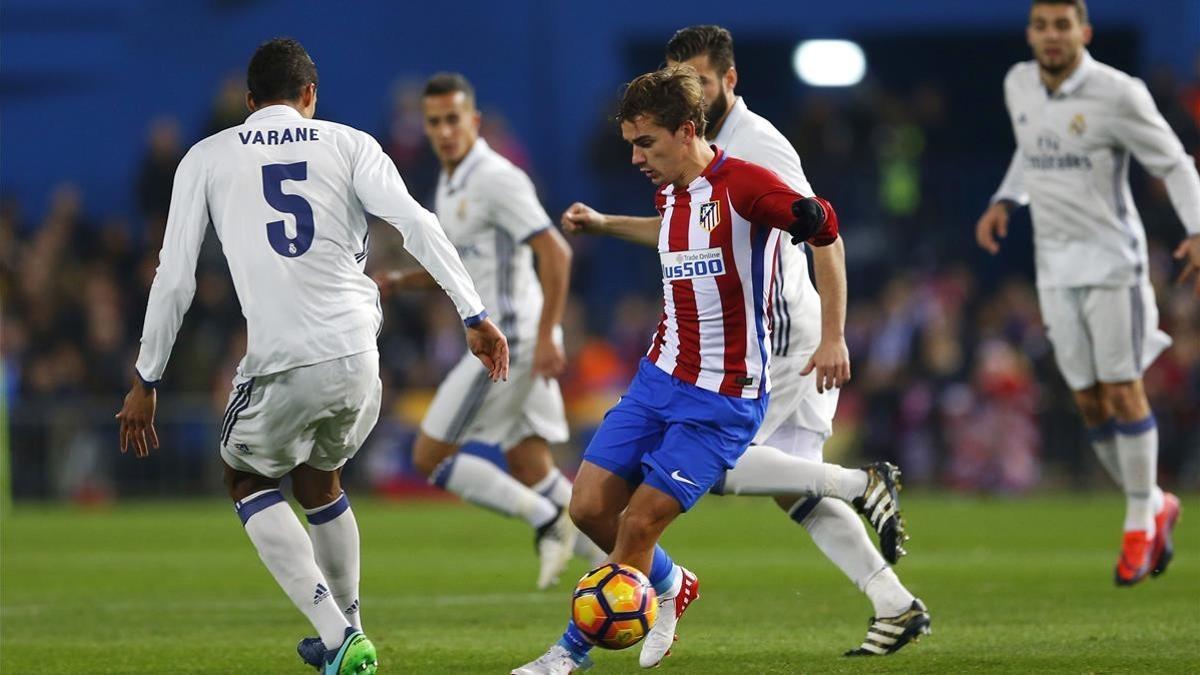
(79,80)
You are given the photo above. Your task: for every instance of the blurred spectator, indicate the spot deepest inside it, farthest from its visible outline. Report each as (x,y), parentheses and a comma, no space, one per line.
(229,105)
(157,173)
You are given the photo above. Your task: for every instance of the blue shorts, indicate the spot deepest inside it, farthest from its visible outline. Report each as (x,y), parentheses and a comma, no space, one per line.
(674,436)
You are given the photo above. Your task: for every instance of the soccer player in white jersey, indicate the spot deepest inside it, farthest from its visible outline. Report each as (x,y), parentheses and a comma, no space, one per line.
(809,359)
(286,195)
(1076,123)
(491,213)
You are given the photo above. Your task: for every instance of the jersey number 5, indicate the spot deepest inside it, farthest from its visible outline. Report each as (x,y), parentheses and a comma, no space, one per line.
(273,176)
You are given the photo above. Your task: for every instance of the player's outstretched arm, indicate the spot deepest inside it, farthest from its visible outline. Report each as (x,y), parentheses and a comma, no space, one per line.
(579,218)
(992,226)
(490,346)
(813,222)
(1189,252)
(383,194)
(137,419)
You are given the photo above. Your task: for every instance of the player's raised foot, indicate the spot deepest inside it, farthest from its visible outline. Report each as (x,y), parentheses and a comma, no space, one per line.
(555,543)
(661,637)
(880,505)
(556,661)
(356,655)
(1135,561)
(886,635)
(1164,524)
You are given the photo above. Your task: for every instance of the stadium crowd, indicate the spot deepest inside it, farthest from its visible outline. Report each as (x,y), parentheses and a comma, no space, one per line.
(953,375)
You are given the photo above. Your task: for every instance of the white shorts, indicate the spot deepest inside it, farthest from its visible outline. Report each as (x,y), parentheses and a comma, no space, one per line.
(470,407)
(1102,333)
(317,415)
(795,400)
(799,442)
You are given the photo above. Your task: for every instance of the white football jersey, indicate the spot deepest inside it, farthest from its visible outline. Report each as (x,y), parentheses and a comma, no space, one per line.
(286,196)
(489,209)
(1071,166)
(795,304)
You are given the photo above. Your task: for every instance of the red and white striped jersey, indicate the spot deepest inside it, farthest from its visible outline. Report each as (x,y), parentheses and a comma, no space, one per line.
(717,246)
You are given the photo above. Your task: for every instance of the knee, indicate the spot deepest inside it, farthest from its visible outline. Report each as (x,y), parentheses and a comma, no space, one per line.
(528,468)
(641,528)
(588,514)
(1126,401)
(240,485)
(1092,406)
(427,453)
(316,495)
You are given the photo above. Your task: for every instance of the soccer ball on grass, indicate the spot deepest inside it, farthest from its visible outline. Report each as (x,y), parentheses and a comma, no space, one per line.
(614,606)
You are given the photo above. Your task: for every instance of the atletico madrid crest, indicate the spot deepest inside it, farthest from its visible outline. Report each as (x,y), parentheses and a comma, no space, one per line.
(710,215)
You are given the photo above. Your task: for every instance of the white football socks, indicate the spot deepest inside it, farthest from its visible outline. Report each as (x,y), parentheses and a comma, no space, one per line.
(554,487)
(287,552)
(764,470)
(888,596)
(1104,443)
(1137,450)
(334,533)
(840,534)
(482,483)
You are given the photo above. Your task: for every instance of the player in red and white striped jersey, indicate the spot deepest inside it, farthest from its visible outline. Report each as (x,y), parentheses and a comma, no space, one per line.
(701,392)
(808,364)
(717,244)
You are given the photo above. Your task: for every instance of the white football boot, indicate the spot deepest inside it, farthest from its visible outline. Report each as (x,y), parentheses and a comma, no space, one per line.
(555,542)
(662,634)
(556,661)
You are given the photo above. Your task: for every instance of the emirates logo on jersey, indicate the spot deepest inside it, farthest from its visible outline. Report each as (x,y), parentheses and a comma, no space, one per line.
(710,215)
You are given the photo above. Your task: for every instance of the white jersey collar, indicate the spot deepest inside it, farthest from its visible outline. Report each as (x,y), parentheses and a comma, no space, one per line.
(737,112)
(474,156)
(273,111)
(1072,83)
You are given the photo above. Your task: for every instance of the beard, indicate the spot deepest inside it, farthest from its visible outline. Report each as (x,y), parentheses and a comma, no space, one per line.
(1056,67)
(716,110)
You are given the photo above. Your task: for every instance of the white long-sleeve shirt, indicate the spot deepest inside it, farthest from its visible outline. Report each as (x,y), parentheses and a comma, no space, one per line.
(490,210)
(286,196)
(1071,166)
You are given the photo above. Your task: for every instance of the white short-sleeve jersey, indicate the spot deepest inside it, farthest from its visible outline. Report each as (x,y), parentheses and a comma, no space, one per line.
(795,305)
(490,210)
(1072,167)
(286,196)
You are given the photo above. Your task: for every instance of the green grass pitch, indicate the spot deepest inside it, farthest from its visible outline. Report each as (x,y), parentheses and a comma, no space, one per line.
(175,587)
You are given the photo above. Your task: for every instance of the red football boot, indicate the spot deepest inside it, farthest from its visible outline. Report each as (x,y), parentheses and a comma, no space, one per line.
(1134,563)
(1164,523)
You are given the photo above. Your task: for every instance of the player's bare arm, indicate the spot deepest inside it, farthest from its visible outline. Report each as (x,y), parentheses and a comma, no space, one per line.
(137,419)
(490,346)
(993,226)
(831,360)
(554,273)
(1189,252)
(579,218)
